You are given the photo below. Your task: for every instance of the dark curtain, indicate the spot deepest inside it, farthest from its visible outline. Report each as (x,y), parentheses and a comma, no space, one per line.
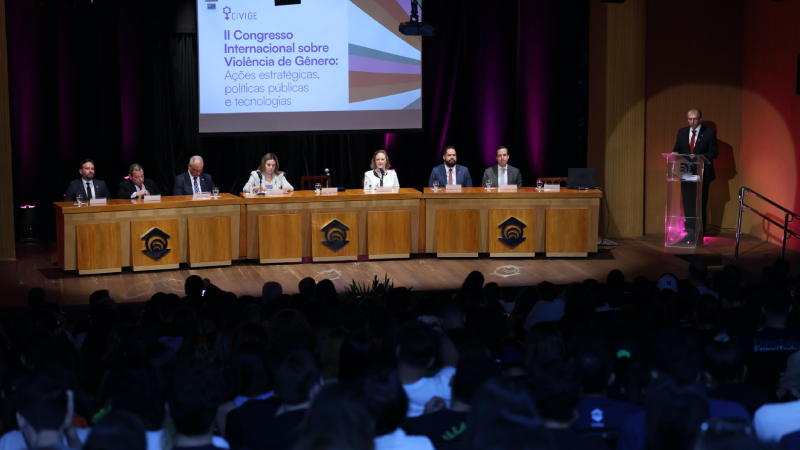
(117,82)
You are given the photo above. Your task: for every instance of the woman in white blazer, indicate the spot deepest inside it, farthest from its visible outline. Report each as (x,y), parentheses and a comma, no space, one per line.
(267,174)
(380,160)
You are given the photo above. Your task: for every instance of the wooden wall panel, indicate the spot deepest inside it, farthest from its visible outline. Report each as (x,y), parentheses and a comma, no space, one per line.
(710,81)
(566,232)
(280,238)
(209,241)
(98,248)
(617,110)
(388,234)
(457,232)
(7,237)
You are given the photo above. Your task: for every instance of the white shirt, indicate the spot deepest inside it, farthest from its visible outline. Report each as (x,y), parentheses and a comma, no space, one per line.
(696,134)
(278,181)
(91,187)
(399,440)
(191,179)
(140,188)
(774,421)
(502,175)
(424,389)
(544,311)
(389,179)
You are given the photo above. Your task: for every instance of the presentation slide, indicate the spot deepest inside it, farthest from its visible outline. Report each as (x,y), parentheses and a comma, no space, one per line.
(307,65)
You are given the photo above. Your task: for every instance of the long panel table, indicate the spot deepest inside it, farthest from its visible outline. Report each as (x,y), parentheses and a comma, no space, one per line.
(330,227)
(147,235)
(520,223)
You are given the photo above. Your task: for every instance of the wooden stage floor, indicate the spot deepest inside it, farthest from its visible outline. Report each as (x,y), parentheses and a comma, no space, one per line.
(36,266)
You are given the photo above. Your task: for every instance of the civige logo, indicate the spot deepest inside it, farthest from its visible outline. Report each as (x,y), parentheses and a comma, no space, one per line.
(226,10)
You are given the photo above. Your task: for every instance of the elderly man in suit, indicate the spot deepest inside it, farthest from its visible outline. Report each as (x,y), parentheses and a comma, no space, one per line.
(450,172)
(136,186)
(502,173)
(86,185)
(696,139)
(194,181)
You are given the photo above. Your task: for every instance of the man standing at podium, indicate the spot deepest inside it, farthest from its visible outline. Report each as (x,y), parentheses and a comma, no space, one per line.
(86,185)
(450,172)
(696,139)
(194,181)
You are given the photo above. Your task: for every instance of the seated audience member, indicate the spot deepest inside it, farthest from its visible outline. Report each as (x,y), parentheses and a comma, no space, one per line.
(615,288)
(443,426)
(734,316)
(248,379)
(719,434)
(698,277)
(593,366)
(706,311)
(502,173)
(379,174)
(193,402)
(774,421)
(549,308)
(387,403)
(296,383)
(452,320)
(339,412)
(137,186)
(416,353)
(267,176)
(767,349)
(544,343)
(193,181)
(503,415)
(306,287)
(119,430)
(86,186)
(450,172)
(675,415)
(724,374)
(556,398)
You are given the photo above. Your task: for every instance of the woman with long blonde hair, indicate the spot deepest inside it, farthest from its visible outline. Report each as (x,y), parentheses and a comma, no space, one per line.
(267,176)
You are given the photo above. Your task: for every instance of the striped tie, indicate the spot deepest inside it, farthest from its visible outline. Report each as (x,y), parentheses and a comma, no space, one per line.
(196,187)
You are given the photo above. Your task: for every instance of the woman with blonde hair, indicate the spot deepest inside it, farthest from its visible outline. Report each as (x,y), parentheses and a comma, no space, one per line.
(380,175)
(267,176)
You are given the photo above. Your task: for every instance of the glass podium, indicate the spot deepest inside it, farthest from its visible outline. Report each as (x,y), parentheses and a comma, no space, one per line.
(683,215)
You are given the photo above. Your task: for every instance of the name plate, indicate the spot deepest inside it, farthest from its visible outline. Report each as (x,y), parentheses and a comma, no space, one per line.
(152,198)
(552,187)
(453,187)
(202,196)
(384,189)
(330,191)
(273,192)
(508,187)
(97,201)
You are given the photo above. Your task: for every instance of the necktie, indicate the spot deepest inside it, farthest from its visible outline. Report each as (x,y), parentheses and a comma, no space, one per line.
(196,187)
(450,177)
(691,143)
(89,190)
(502,180)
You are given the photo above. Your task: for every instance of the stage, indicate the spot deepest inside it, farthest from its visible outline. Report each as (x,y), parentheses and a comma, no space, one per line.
(37,266)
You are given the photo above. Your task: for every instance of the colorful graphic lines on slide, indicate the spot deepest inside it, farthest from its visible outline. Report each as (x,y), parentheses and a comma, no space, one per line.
(385,71)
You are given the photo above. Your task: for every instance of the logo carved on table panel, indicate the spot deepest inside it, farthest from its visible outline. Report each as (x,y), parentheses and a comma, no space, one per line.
(335,235)
(156,243)
(512,234)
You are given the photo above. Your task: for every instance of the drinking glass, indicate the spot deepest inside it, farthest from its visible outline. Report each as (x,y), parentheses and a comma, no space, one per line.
(318,188)
(215,191)
(539,185)
(435,185)
(79,198)
(488,184)
(251,189)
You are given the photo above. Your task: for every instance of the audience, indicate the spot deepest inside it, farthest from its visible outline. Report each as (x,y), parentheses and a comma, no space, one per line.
(672,364)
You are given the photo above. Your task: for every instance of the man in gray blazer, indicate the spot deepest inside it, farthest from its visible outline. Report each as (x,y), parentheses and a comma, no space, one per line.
(502,173)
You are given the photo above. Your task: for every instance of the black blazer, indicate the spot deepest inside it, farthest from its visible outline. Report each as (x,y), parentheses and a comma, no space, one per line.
(705,144)
(183,184)
(126,188)
(79,187)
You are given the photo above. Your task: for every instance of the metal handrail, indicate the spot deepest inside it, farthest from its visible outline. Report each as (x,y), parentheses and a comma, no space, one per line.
(789,216)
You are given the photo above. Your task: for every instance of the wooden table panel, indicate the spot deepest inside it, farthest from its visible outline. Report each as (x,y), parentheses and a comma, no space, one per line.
(388,234)
(98,248)
(566,232)
(141,261)
(498,248)
(457,233)
(167,202)
(209,241)
(319,251)
(280,238)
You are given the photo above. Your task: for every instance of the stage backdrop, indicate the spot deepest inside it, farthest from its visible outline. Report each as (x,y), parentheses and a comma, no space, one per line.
(117,82)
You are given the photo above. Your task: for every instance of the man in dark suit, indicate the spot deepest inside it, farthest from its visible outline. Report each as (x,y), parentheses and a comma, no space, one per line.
(194,181)
(502,173)
(86,185)
(136,186)
(450,172)
(696,139)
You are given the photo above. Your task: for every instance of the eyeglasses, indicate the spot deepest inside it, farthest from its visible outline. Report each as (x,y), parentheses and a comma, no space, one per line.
(692,119)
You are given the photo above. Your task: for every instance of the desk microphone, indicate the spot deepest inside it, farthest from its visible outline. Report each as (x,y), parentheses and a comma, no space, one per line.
(328,173)
(382,174)
(259,177)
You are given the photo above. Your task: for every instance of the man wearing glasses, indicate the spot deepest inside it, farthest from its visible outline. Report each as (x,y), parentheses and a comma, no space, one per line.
(696,139)
(194,181)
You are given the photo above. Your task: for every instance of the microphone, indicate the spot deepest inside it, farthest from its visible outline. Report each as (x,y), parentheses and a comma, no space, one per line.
(382,172)
(259,178)
(328,173)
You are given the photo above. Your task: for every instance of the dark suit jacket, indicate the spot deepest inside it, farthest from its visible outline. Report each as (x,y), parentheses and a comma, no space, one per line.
(492,173)
(705,144)
(79,187)
(126,188)
(183,184)
(440,173)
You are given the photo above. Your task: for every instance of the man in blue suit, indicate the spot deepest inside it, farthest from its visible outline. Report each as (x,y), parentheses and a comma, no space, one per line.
(194,181)
(86,185)
(450,172)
